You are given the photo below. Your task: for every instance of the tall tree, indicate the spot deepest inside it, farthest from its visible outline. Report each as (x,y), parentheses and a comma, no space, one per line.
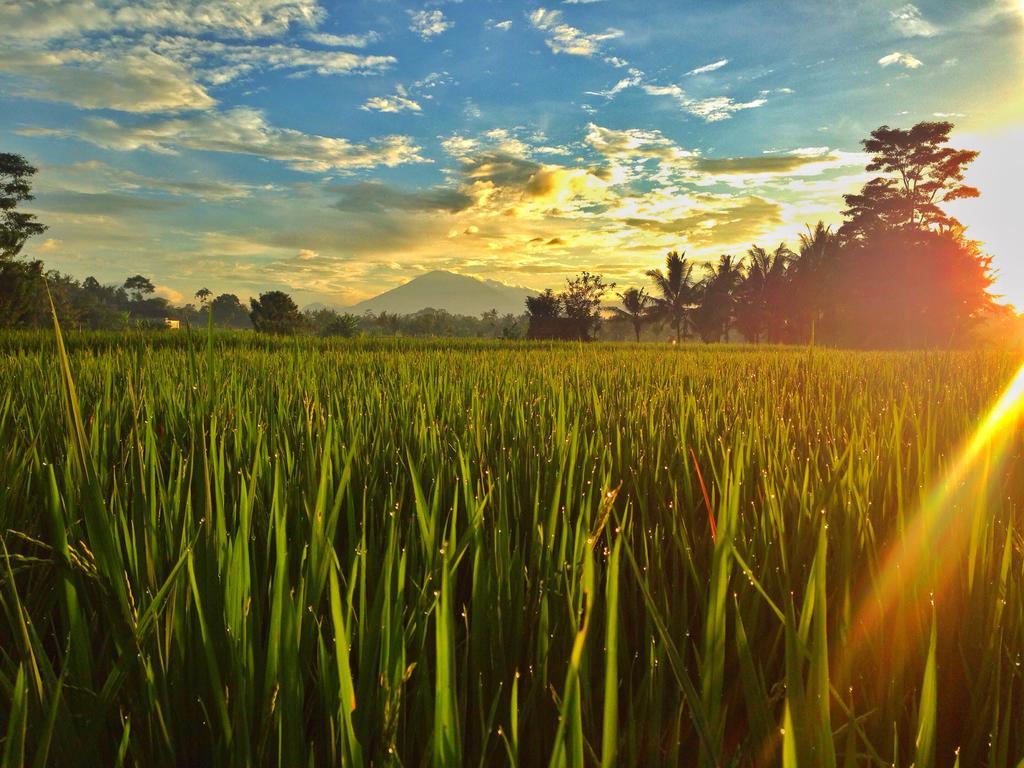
(762,311)
(635,303)
(228,311)
(22,295)
(920,174)
(275,312)
(139,287)
(812,288)
(16,227)
(543,313)
(717,308)
(677,293)
(910,276)
(581,302)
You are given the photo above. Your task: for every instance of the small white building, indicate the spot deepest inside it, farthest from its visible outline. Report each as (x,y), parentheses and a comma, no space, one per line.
(172,323)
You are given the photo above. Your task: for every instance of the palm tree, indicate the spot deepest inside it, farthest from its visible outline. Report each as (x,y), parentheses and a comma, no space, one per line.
(634,309)
(717,308)
(678,292)
(762,311)
(811,274)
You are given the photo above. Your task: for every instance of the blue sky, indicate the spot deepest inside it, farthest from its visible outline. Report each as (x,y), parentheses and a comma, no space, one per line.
(337,149)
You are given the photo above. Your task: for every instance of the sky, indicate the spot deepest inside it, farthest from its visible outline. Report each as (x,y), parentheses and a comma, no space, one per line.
(337,149)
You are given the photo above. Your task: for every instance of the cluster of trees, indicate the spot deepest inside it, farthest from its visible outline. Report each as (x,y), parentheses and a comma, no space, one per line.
(276,312)
(26,289)
(899,272)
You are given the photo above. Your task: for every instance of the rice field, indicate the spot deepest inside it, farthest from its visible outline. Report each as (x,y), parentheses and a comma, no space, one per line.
(223,550)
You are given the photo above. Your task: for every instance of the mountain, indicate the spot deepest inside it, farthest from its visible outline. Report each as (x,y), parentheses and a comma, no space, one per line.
(457,294)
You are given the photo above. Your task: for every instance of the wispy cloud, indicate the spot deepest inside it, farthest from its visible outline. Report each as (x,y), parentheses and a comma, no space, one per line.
(245,131)
(399,101)
(907,60)
(709,67)
(136,80)
(231,18)
(909,22)
(562,38)
(505,25)
(428,24)
(344,41)
(712,109)
(635,78)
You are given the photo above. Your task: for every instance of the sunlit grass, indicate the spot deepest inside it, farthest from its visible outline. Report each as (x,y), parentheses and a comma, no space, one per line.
(240,551)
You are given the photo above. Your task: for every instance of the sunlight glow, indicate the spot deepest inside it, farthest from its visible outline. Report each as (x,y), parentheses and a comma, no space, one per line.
(922,560)
(992,218)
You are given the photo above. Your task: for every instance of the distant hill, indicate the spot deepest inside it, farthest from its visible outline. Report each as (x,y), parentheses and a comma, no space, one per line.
(457,294)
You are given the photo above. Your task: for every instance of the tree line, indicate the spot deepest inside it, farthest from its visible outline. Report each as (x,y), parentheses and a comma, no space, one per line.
(899,272)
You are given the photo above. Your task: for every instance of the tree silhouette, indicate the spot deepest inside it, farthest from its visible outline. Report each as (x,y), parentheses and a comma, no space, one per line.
(139,287)
(761,310)
(228,311)
(921,173)
(581,302)
(275,312)
(634,309)
(16,227)
(203,295)
(717,308)
(22,298)
(811,281)
(574,314)
(677,293)
(909,276)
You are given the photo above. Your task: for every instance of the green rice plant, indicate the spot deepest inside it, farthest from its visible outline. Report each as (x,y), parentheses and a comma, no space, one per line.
(224,549)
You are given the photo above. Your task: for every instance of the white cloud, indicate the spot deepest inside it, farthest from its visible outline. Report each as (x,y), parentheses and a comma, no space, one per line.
(344,41)
(709,67)
(636,144)
(459,147)
(51,19)
(171,294)
(721,107)
(504,25)
(428,24)
(159,73)
(135,80)
(902,59)
(222,62)
(909,22)
(634,79)
(710,109)
(245,131)
(562,38)
(397,102)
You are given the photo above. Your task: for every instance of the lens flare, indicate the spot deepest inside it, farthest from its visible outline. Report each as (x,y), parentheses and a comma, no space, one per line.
(920,562)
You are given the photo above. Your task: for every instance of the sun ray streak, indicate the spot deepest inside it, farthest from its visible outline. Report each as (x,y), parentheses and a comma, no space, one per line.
(921,561)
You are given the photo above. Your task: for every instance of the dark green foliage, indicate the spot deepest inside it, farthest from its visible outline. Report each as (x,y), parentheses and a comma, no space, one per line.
(275,312)
(677,294)
(229,312)
(327,322)
(572,315)
(16,227)
(635,309)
